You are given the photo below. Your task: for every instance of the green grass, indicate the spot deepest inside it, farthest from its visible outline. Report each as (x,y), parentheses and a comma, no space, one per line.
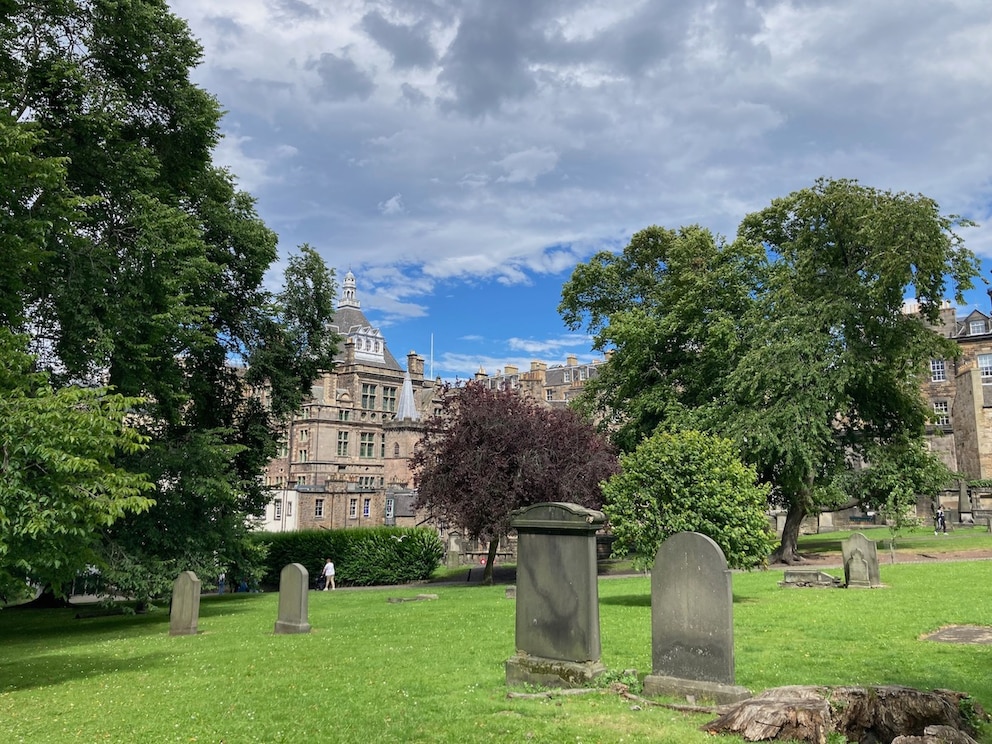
(372,671)
(915,540)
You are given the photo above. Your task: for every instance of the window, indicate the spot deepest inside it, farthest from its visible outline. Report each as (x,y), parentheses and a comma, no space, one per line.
(567,376)
(941,413)
(389,399)
(396,449)
(289,508)
(368,396)
(344,415)
(283,450)
(382,445)
(277,509)
(366,508)
(302,455)
(353,508)
(343,443)
(390,508)
(549,394)
(366,482)
(367,445)
(938,371)
(318,508)
(985,366)
(301,480)
(304,435)
(583,373)
(976,327)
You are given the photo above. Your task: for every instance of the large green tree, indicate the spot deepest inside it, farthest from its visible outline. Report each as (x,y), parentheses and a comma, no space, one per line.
(153,286)
(489,452)
(792,340)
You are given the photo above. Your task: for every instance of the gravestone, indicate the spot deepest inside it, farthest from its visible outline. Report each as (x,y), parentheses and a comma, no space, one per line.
(557,596)
(185,611)
(692,623)
(294,585)
(860,562)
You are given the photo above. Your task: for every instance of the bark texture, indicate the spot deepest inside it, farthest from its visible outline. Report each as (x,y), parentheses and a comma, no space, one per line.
(867,715)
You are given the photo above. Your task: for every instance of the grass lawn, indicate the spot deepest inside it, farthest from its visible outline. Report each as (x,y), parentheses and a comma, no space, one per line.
(373,671)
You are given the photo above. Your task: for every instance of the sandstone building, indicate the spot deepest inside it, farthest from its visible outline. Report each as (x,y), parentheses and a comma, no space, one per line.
(345,456)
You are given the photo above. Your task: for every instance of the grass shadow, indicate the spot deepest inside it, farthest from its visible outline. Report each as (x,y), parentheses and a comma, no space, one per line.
(45,670)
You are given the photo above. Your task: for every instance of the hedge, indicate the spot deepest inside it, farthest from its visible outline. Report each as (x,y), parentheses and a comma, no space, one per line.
(363,556)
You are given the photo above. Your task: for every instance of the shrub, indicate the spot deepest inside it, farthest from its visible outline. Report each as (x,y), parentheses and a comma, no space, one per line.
(363,556)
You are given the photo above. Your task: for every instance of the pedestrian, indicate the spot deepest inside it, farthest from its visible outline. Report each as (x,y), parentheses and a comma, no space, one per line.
(328,574)
(220,583)
(941,523)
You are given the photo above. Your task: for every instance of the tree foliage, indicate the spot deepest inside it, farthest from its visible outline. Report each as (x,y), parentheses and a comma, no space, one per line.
(139,265)
(489,452)
(792,340)
(688,482)
(58,483)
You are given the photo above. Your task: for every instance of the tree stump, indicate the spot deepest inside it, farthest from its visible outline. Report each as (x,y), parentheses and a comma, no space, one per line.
(862,714)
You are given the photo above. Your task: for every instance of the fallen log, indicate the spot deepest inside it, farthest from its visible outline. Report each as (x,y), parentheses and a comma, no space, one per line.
(861,714)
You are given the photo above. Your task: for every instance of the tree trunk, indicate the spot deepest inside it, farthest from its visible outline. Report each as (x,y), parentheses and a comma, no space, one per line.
(487,574)
(788,551)
(812,714)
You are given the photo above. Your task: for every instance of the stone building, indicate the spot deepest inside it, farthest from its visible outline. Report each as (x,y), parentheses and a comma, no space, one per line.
(960,395)
(345,456)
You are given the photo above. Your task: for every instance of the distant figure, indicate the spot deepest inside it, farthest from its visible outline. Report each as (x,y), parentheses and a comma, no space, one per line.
(941,522)
(220,583)
(328,574)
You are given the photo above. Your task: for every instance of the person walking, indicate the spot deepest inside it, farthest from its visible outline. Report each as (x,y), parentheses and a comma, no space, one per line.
(941,521)
(328,574)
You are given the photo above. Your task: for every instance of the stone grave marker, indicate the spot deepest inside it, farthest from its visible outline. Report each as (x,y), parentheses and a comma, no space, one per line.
(557,596)
(860,562)
(692,623)
(185,611)
(294,589)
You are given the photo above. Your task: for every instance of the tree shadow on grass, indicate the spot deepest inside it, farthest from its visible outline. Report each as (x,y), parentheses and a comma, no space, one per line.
(45,670)
(644,600)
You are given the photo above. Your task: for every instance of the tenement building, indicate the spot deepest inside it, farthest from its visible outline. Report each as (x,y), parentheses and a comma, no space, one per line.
(960,395)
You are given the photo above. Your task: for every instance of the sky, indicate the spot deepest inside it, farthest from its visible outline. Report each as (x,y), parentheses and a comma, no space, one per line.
(461,157)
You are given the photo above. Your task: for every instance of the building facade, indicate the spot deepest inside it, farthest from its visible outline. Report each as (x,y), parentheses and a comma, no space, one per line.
(345,457)
(344,461)
(959,393)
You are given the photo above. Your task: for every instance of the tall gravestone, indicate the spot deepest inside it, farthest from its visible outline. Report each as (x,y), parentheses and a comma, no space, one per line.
(860,562)
(185,611)
(294,589)
(692,622)
(557,600)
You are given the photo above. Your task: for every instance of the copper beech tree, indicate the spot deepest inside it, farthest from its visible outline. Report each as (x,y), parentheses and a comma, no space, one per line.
(489,452)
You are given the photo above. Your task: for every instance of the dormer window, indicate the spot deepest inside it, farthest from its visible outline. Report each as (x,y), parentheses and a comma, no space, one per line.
(976,327)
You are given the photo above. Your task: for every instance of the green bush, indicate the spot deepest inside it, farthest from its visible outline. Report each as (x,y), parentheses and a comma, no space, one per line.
(364,556)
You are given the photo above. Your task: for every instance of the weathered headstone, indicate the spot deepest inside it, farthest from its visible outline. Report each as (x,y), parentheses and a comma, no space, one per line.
(804,577)
(557,596)
(294,585)
(692,623)
(185,611)
(860,562)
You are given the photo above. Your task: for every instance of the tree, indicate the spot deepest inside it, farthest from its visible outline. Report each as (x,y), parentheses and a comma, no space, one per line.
(792,340)
(150,280)
(489,452)
(58,484)
(688,481)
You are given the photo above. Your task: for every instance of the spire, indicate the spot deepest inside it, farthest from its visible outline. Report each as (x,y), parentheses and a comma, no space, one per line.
(407,407)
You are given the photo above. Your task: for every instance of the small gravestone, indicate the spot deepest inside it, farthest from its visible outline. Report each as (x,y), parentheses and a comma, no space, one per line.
(185,611)
(860,562)
(804,577)
(557,596)
(294,584)
(692,623)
